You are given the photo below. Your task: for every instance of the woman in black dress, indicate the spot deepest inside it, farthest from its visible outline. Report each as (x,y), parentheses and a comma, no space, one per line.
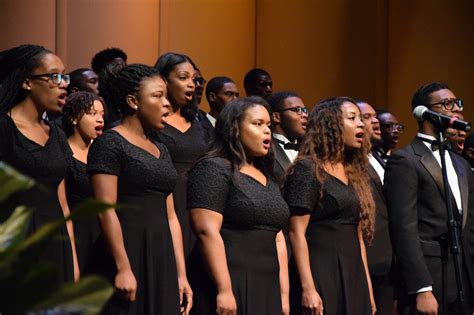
(143,236)
(82,121)
(237,213)
(32,81)
(182,135)
(331,212)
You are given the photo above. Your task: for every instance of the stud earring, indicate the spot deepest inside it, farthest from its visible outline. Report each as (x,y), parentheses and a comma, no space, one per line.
(74,122)
(135,107)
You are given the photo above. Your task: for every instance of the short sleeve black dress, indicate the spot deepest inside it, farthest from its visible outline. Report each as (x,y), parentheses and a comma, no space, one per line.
(86,229)
(35,161)
(252,216)
(144,182)
(185,148)
(333,245)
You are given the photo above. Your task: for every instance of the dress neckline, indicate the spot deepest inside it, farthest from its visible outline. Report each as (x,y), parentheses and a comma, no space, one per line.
(256,180)
(340,181)
(28,139)
(136,146)
(179,131)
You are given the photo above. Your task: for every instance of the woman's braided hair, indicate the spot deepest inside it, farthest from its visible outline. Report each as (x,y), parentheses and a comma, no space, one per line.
(16,65)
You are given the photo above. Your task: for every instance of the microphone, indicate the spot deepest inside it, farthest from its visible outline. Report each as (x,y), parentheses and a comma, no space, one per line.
(444,121)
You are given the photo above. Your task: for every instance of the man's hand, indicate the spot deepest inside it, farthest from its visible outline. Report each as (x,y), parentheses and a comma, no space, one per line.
(426,303)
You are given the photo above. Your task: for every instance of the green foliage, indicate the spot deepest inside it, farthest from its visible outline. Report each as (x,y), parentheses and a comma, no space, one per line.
(27,286)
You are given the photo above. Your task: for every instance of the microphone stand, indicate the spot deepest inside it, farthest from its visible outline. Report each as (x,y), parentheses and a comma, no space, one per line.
(453,240)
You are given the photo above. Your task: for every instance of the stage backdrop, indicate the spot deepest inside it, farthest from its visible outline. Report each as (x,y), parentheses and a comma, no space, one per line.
(376,50)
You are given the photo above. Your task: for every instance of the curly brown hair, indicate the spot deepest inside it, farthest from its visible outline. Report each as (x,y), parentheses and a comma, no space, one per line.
(324,143)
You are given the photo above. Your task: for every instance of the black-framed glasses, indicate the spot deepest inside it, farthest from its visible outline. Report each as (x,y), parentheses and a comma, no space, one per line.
(449,103)
(299,110)
(393,126)
(56,78)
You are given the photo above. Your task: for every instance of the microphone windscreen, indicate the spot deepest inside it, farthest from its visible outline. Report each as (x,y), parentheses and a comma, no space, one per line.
(418,112)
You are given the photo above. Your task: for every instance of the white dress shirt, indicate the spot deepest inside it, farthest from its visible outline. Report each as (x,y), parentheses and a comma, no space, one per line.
(212,120)
(290,153)
(377,166)
(452,175)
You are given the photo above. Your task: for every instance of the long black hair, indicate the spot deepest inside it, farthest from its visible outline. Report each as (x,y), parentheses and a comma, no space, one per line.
(165,65)
(227,142)
(16,65)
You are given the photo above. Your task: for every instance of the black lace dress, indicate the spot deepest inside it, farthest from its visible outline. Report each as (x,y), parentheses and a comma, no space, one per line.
(253,214)
(185,148)
(86,229)
(47,165)
(333,245)
(144,182)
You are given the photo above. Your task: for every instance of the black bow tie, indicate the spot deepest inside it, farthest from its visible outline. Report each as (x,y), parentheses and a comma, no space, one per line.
(434,144)
(289,145)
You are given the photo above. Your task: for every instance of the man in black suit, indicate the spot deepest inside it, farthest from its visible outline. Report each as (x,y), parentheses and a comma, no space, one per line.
(219,92)
(379,253)
(418,218)
(289,119)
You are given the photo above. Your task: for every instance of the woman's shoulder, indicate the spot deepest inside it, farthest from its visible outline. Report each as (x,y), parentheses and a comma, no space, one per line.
(303,165)
(213,166)
(109,140)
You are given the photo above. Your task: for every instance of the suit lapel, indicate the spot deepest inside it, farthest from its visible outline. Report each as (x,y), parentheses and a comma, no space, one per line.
(375,177)
(463,186)
(280,156)
(430,164)
(379,159)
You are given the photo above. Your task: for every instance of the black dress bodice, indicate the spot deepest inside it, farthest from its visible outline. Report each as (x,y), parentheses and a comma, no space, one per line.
(243,201)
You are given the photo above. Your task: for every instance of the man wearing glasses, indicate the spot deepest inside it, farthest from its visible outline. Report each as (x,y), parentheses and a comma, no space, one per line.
(289,119)
(417,212)
(390,131)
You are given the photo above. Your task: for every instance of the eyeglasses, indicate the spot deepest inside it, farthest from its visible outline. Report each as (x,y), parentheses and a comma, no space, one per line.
(56,78)
(392,126)
(298,110)
(199,80)
(448,103)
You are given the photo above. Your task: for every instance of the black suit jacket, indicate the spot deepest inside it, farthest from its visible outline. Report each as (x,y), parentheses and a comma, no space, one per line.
(208,128)
(380,252)
(282,162)
(413,188)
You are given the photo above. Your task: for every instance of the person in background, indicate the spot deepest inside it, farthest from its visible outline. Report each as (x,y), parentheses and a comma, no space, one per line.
(258,82)
(82,121)
(106,64)
(390,131)
(83,79)
(468,150)
(289,119)
(456,138)
(183,135)
(219,92)
(380,252)
(199,84)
